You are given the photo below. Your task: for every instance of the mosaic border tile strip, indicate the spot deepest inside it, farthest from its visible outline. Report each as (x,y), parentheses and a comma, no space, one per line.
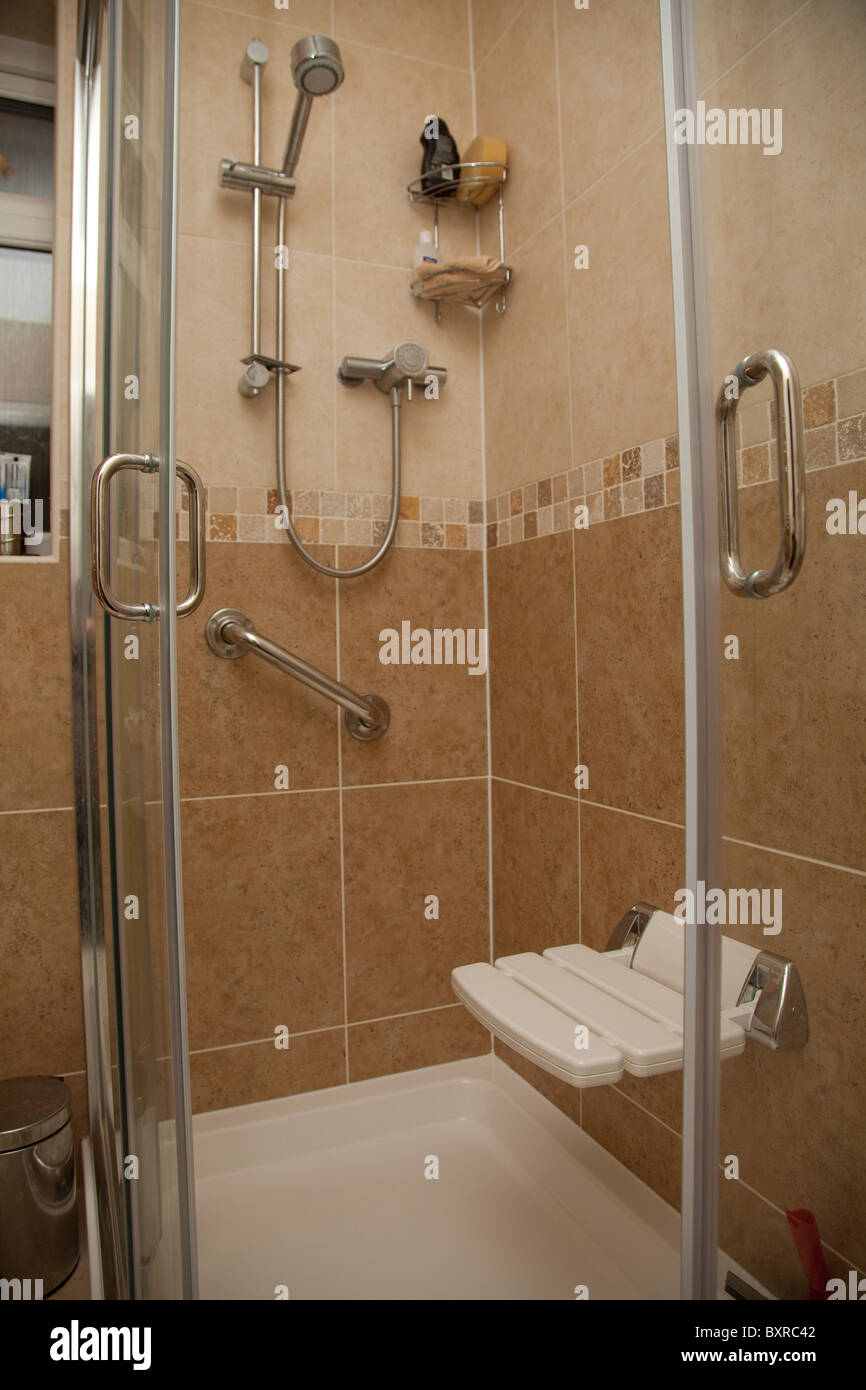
(643,478)
(646,476)
(345,518)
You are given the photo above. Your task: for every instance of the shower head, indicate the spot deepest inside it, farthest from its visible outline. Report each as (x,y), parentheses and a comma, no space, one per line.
(317,69)
(316,65)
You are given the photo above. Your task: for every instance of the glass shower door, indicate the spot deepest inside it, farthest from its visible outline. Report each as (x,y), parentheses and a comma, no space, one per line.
(777,130)
(783,203)
(133,538)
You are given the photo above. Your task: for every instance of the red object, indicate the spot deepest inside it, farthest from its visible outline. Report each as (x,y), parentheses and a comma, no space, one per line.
(804,1228)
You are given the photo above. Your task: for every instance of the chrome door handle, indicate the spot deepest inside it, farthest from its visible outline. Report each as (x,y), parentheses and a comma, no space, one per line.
(197,520)
(99,527)
(790,455)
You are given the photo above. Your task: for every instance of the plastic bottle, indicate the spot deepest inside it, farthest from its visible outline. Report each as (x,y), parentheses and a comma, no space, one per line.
(425,254)
(440,152)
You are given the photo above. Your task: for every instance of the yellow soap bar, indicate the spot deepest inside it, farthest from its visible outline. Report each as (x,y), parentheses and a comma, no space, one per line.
(484,149)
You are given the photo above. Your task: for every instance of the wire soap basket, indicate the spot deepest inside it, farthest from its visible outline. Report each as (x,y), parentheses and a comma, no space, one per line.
(458,192)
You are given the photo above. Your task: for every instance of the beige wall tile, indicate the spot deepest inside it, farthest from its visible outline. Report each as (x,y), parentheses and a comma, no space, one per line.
(40,966)
(405,27)
(536,870)
(441,439)
(438,713)
(851,391)
(526,370)
(815,1162)
(243,1075)
(794,701)
(637,1139)
(516,102)
(490,19)
(566,1098)
(239,719)
(624,860)
(532,692)
(619,308)
(433,838)
(227,438)
(420,1040)
(630,663)
(262,916)
(35,745)
(758,1236)
(311,14)
(794,209)
(610,81)
(379,115)
(726,34)
(216,123)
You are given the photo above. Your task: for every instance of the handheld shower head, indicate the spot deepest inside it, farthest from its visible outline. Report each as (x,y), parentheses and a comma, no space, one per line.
(317,69)
(316,65)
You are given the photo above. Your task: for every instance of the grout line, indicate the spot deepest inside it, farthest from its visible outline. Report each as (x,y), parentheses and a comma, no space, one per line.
(334,449)
(789,854)
(485,588)
(259,1042)
(527,786)
(472,73)
(209,5)
(504,33)
(36,810)
(298,791)
(743,56)
(512,255)
(308,1032)
(343,933)
(240,796)
(410,1013)
(638,815)
(659,130)
(417,782)
(649,1114)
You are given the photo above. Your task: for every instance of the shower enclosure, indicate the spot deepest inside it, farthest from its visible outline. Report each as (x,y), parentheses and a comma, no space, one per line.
(771,716)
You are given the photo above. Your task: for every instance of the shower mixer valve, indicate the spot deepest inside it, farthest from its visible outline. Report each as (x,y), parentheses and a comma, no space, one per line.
(405,365)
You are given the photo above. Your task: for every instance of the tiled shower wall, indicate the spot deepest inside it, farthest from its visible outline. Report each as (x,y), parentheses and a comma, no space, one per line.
(306,907)
(41,1027)
(586,636)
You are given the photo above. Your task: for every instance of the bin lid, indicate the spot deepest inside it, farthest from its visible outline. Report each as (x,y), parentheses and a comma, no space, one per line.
(31,1108)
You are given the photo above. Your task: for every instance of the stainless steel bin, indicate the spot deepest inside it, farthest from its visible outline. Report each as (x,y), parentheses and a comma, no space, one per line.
(38,1214)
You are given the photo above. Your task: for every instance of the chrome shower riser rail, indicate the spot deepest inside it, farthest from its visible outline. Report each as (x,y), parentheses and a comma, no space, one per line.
(231,634)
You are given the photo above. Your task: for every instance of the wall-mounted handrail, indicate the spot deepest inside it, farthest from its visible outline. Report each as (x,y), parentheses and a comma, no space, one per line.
(231,633)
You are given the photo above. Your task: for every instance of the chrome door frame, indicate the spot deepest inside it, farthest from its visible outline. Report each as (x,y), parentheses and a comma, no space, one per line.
(168,682)
(702,653)
(89,440)
(85,430)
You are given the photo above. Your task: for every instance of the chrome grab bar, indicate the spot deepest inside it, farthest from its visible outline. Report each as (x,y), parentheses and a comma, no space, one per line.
(790,453)
(231,633)
(99,538)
